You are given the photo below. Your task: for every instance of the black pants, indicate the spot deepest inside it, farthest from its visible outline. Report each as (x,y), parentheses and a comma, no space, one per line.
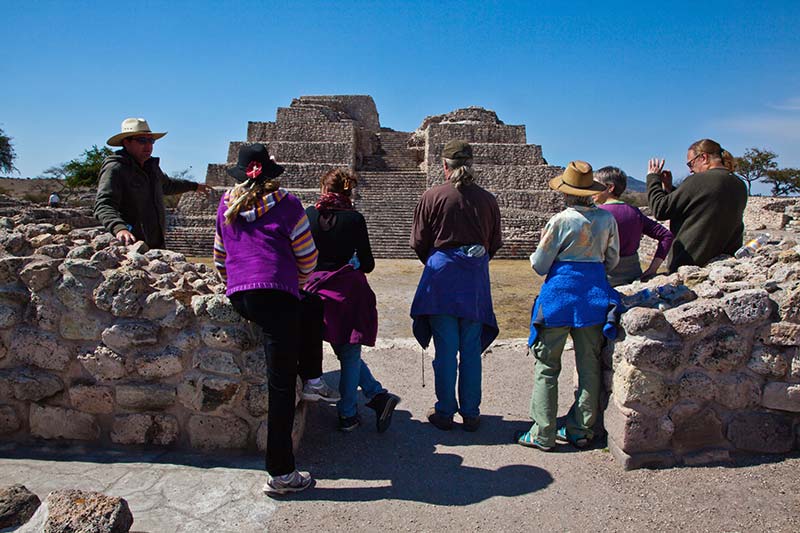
(293,346)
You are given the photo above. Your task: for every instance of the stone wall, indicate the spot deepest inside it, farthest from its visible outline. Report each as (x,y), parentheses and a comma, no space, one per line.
(121,345)
(708,365)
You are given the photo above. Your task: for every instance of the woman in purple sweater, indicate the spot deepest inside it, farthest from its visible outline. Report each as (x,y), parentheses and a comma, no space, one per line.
(264,251)
(632,225)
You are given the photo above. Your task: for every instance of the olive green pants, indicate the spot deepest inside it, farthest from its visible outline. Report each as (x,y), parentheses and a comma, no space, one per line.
(547,349)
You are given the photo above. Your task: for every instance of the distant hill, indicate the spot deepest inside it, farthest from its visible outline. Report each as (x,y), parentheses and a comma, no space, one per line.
(635,185)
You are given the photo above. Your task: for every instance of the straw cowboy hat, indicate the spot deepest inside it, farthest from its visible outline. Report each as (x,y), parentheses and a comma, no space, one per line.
(255,163)
(132,127)
(577,180)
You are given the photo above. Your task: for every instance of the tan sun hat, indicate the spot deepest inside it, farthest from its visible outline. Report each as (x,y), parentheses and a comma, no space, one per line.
(130,128)
(577,180)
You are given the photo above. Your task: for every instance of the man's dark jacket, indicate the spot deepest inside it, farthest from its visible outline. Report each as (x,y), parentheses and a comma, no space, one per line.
(705,214)
(132,197)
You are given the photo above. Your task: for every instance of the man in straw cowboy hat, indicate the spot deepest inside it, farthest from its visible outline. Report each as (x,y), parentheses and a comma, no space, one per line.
(578,246)
(130,194)
(456,230)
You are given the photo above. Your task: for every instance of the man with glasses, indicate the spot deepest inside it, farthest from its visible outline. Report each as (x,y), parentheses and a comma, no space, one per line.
(130,194)
(706,210)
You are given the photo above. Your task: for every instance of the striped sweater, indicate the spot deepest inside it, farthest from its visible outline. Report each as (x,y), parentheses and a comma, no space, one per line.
(268,246)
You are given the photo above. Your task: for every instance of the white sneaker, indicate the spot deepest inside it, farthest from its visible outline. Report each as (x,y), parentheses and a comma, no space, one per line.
(292,482)
(320,391)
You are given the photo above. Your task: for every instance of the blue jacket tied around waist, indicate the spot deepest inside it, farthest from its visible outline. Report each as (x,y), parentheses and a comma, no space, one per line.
(576,294)
(453,283)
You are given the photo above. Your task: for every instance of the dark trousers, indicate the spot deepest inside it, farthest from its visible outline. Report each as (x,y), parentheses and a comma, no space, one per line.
(290,351)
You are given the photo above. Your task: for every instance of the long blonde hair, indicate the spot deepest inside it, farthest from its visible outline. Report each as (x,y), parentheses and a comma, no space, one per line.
(714,151)
(460,172)
(245,195)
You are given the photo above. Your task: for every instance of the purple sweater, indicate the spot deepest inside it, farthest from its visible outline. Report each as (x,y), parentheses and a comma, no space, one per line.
(266,247)
(632,224)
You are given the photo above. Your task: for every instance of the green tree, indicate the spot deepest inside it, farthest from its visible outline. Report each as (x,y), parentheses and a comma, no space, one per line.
(784,181)
(755,165)
(83,171)
(7,153)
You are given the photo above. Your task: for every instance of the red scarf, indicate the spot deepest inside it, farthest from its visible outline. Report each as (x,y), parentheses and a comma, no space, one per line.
(334,200)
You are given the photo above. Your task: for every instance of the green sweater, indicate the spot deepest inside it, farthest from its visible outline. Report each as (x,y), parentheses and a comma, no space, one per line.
(705,214)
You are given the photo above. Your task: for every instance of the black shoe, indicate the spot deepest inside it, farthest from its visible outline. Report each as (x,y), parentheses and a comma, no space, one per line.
(445,423)
(470,423)
(383,403)
(348,423)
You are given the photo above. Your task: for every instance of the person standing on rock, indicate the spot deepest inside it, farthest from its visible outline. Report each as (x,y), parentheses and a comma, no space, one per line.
(706,211)
(578,246)
(264,251)
(351,315)
(632,224)
(130,193)
(455,232)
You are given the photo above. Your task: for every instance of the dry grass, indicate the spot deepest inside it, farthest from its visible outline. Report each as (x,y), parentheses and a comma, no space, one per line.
(514,286)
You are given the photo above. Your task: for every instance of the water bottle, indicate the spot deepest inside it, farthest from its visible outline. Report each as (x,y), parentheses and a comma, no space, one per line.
(751,246)
(354,261)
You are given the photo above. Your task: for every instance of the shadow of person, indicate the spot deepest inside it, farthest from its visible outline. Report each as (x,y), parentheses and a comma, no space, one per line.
(407,462)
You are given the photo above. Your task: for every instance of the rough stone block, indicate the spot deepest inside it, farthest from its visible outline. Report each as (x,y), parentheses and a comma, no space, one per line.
(17,506)
(257,399)
(738,391)
(9,423)
(30,346)
(164,308)
(95,399)
(647,323)
(696,387)
(255,363)
(212,432)
(207,393)
(186,341)
(703,430)
(663,459)
(76,510)
(723,351)
(790,307)
(748,306)
(82,269)
(708,457)
(145,396)
(59,423)
(634,387)
(39,274)
(782,396)
(720,272)
(217,362)
(10,314)
(646,353)
(216,307)
(143,428)
(80,326)
(44,311)
(28,384)
(694,318)
(770,361)
(227,338)
(161,364)
(761,432)
(261,436)
(637,432)
(123,292)
(104,364)
(127,335)
(780,334)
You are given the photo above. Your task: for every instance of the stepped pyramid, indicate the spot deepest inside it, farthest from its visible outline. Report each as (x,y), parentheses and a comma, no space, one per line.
(317,133)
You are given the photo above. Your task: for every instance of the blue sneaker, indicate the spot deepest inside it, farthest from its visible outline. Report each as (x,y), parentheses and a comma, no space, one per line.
(562,437)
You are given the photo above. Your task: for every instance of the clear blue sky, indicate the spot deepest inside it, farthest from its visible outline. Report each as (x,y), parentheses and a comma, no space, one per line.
(607,82)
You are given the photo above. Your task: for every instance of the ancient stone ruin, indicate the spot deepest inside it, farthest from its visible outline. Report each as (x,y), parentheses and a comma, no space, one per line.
(122,345)
(318,133)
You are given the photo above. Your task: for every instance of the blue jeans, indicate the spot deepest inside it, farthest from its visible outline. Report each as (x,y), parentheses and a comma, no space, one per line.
(355,373)
(452,335)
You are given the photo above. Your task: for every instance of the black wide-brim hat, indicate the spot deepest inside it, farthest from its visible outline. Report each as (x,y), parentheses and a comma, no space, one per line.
(257,153)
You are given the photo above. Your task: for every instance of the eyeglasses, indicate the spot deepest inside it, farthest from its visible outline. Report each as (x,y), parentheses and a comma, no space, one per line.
(691,161)
(144,140)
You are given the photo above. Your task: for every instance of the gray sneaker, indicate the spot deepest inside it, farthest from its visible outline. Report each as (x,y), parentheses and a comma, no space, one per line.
(292,482)
(320,391)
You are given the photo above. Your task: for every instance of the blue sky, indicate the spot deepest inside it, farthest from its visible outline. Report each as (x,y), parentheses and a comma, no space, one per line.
(607,82)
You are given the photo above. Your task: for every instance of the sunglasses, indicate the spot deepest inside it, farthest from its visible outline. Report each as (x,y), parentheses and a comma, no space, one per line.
(690,162)
(144,140)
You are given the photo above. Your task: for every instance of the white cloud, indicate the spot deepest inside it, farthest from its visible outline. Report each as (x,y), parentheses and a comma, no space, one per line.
(790,104)
(785,128)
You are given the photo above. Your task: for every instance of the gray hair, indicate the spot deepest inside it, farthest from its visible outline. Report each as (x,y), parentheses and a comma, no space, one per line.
(571,199)
(612,176)
(460,171)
